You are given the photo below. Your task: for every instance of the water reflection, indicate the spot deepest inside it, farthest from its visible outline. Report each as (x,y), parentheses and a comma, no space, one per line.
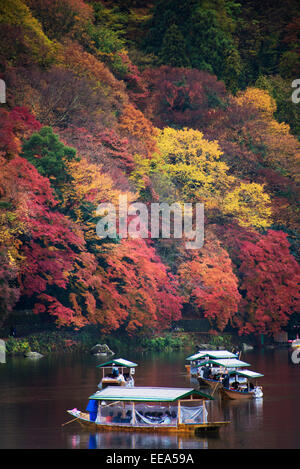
(106,440)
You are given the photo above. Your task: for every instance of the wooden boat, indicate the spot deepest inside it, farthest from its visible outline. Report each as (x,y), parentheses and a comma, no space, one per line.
(118,372)
(197,360)
(212,371)
(147,409)
(239,385)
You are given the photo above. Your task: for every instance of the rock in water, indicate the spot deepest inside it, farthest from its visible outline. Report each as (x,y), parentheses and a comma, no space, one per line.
(33,355)
(101,349)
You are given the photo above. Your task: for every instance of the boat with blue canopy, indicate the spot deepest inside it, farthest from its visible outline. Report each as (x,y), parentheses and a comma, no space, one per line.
(154,409)
(117,372)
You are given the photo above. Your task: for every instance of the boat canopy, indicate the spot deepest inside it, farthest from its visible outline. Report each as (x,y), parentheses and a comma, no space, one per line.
(229,363)
(118,362)
(246,373)
(148,394)
(211,354)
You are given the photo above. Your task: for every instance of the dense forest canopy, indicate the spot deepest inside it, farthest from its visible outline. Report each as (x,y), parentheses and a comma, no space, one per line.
(162,101)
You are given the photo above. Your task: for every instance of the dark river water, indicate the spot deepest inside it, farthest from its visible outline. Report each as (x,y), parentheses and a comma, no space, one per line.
(35,394)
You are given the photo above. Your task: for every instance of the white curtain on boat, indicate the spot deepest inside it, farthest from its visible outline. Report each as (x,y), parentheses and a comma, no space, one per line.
(192,414)
(146,414)
(121,414)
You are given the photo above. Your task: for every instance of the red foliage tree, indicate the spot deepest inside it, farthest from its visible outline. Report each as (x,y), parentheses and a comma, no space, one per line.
(210,284)
(15,125)
(182,97)
(49,241)
(270,282)
(103,146)
(269,278)
(133,289)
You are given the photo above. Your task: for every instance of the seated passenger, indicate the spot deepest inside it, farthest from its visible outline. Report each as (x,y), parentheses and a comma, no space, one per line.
(117,419)
(121,378)
(127,417)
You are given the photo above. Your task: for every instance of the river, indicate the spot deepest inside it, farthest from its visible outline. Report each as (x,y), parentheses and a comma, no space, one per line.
(35,394)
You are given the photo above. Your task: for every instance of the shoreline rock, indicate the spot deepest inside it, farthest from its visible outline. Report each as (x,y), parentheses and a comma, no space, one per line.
(101,349)
(33,355)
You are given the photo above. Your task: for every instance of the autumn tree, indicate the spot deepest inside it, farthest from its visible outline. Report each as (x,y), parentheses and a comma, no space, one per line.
(101,145)
(62,17)
(259,148)
(139,131)
(47,243)
(22,37)
(270,284)
(182,97)
(195,166)
(209,283)
(15,125)
(132,289)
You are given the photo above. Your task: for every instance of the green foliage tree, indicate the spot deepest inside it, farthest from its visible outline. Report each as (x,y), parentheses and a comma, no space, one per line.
(49,155)
(173,49)
(199,29)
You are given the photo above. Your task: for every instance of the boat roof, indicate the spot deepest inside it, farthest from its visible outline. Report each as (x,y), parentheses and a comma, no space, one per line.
(212,354)
(229,362)
(246,373)
(147,394)
(118,362)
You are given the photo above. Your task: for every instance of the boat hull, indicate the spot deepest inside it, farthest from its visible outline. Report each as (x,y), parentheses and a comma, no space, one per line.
(83,420)
(212,383)
(231,394)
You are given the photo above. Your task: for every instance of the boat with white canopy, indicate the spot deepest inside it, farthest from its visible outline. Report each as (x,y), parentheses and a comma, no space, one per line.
(154,409)
(212,371)
(196,360)
(237,384)
(117,372)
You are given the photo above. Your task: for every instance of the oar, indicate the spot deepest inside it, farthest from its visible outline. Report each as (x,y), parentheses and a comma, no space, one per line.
(63,424)
(215,388)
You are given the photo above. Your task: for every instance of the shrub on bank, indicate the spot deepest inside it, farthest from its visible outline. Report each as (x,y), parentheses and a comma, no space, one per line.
(67,341)
(167,342)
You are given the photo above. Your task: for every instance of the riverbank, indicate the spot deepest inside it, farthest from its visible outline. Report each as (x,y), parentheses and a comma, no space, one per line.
(53,341)
(63,341)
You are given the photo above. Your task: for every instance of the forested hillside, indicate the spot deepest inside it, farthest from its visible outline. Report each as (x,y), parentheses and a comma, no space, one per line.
(162,101)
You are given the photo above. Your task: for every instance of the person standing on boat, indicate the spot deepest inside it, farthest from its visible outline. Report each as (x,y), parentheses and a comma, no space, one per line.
(121,378)
(226,381)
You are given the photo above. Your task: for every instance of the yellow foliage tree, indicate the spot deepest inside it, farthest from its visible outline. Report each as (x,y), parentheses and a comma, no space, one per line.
(193,168)
(194,165)
(249,205)
(16,13)
(258,98)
